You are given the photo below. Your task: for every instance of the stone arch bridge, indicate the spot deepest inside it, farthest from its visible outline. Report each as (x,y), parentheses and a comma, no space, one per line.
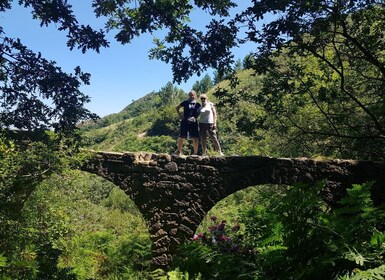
(175,193)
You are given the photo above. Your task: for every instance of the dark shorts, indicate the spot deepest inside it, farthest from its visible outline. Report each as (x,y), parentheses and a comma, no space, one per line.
(188,129)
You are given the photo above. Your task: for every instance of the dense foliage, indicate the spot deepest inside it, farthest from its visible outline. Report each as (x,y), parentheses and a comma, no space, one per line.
(76,226)
(326,86)
(291,233)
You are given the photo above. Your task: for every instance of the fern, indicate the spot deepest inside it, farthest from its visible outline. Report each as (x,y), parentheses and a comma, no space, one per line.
(370,274)
(354,255)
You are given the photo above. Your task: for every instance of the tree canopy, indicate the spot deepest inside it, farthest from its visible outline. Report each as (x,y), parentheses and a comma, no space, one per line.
(29,82)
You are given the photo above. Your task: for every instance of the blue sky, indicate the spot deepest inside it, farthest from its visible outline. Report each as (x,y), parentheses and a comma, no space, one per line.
(119,74)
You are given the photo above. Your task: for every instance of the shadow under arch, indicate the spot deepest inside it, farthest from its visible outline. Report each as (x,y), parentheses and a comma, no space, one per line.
(174,194)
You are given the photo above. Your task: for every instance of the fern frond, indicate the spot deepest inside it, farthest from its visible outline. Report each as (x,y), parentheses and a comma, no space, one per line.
(370,274)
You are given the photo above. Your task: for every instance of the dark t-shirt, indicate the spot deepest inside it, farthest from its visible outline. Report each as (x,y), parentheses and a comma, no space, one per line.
(190,108)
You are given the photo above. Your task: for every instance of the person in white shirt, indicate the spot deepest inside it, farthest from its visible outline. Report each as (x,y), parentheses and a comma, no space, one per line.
(208,125)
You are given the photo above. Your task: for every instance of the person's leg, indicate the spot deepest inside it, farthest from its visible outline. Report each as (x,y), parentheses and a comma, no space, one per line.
(214,139)
(182,136)
(180,145)
(195,145)
(203,136)
(194,134)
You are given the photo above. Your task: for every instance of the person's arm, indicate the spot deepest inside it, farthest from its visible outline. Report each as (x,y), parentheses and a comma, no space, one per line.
(214,114)
(178,111)
(198,112)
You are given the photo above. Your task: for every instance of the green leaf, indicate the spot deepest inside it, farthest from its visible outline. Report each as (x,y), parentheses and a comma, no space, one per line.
(3,261)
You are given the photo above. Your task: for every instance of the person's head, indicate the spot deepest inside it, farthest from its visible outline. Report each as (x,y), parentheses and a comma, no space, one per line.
(192,95)
(203,98)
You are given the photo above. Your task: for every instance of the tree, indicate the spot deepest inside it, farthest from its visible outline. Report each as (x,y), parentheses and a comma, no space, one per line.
(238,66)
(170,94)
(189,50)
(28,84)
(249,62)
(312,110)
(27,79)
(203,85)
(325,85)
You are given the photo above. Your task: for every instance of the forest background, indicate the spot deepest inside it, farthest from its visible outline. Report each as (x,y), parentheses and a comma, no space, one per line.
(313,88)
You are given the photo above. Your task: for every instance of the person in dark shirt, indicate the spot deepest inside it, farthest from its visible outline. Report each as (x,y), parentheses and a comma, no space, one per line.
(189,124)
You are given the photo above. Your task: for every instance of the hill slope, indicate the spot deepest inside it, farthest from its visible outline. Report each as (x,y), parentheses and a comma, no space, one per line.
(151,124)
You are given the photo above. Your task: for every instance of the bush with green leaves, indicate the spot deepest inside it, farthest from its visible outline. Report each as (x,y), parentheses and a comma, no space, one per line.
(76,226)
(26,159)
(294,234)
(218,253)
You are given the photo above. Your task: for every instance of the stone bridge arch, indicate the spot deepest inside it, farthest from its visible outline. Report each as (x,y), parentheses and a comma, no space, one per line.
(174,194)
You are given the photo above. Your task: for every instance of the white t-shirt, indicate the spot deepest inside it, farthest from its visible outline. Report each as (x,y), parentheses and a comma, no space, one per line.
(206,114)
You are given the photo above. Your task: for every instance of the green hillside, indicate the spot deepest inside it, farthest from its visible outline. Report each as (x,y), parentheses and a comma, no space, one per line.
(257,115)
(147,124)
(299,108)
(151,123)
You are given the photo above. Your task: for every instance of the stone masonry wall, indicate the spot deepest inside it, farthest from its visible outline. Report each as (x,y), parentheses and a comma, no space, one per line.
(175,193)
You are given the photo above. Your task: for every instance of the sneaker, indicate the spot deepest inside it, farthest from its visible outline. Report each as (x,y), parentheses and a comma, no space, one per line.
(177,154)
